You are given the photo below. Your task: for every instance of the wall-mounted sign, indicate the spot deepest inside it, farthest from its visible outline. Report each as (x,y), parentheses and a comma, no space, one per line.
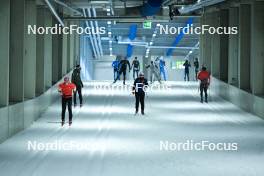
(147,25)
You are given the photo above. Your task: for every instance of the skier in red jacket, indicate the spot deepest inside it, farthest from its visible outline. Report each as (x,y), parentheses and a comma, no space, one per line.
(66,89)
(204,77)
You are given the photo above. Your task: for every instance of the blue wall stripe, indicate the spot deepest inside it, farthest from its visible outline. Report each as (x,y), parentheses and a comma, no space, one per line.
(179,37)
(132,35)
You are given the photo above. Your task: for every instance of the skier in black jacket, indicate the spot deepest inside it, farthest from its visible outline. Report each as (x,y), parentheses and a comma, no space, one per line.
(139,88)
(136,67)
(76,79)
(122,69)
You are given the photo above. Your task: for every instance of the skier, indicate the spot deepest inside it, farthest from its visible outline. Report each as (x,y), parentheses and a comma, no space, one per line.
(196,68)
(66,88)
(122,69)
(115,65)
(154,72)
(162,68)
(204,77)
(139,88)
(186,65)
(136,67)
(76,79)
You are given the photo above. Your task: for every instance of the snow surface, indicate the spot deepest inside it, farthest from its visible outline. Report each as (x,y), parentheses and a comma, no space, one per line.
(128,145)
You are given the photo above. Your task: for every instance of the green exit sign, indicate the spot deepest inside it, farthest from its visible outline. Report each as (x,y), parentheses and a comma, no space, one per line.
(147,24)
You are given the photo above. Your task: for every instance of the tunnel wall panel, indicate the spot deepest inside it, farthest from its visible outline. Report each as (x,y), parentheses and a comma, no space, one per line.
(238,97)
(30,112)
(17,117)
(3,123)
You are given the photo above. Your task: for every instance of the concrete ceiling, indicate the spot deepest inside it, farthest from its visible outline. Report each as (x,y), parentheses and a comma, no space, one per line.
(121,29)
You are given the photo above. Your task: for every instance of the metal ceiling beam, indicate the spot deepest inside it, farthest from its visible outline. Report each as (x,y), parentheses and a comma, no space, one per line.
(200,5)
(145,44)
(175,47)
(177,2)
(90,36)
(94,35)
(53,11)
(98,34)
(127,19)
(192,50)
(68,7)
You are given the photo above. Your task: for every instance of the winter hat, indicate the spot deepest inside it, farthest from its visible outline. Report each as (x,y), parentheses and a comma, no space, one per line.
(141,74)
(66,79)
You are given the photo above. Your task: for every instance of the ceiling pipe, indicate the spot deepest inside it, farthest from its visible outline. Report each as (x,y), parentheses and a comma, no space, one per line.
(98,34)
(53,11)
(199,5)
(145,44)
(93,35)
(177,2)
(175,47)
(68,7)
(127,19)
(90,36)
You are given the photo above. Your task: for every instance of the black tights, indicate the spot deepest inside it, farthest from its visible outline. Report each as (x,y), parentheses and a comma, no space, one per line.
(66,102)
(203,89)
(140,98)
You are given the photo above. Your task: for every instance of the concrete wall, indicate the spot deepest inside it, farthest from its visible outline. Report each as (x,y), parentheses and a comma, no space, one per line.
(4,51)
(30,64)
(240,98)
(17,117)
(242,82)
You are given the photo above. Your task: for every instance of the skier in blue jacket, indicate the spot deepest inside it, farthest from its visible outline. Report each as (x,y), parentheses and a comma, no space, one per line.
(115,65)
(162,68)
